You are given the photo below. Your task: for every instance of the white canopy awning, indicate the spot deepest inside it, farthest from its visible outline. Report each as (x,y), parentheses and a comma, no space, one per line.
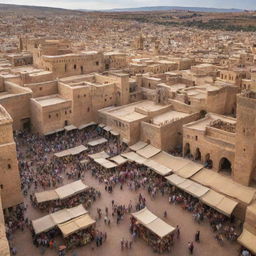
(49,133)
(114,133)
(175,179)
(81,127)
(153,223)
(97,142)
(69,128)
(77,150)
(119,159)
(101,154)
(248,240)
(48,222)
(71,189)
(148,151)
(46,196)
(193,188)
(219,202)
(59,130)
(74,225)
(105,163)
(107,128)
(132,156)
(158,168)
(189,169)
(225,185)
(71,151)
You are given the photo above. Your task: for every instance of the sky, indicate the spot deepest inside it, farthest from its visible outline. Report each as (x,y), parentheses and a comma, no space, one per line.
(109,4)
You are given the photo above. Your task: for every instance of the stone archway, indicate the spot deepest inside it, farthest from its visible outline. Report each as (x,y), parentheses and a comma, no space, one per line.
(208,161)
(187,150)
(198,155)
(225,166)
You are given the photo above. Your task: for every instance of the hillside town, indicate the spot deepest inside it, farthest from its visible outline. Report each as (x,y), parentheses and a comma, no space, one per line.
(119,137)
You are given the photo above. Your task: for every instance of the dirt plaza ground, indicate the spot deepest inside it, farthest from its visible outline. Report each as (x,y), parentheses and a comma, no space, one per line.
(176,216)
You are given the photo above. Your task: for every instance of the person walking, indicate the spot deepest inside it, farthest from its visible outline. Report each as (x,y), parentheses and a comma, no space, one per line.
(178,232)
(197,236)
(191,247)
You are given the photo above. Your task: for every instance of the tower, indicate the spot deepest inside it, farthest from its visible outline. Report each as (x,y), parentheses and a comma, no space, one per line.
(139,42)
(245,144)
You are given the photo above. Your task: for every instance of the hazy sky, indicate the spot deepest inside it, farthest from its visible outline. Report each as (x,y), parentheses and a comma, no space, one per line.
(108,4)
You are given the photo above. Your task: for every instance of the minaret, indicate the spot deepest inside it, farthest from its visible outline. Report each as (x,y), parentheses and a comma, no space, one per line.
(245,145)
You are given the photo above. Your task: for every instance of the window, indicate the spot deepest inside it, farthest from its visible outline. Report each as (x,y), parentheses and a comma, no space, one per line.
(88,109)
(49,116)
(57,115)
(1,186)
(97,63)
(40,88)
(70,111)
(9,166)
(75,66)
(196,137)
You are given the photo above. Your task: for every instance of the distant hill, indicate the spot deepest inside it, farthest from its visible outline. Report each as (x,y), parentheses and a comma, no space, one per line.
(168,8)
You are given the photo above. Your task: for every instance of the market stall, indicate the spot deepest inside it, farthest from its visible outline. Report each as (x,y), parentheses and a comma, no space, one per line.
(219,202)
(153,230)
(78,231)
(72,151)
(50,221)
(75,224)
(69,194)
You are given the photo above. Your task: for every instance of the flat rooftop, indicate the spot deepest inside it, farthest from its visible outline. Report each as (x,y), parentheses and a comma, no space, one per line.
(50,100)
(128,112)
(201,124)
(168,117)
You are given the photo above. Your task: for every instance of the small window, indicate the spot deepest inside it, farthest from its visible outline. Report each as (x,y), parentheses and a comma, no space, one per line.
(57,115)
(49,116)
(88,109)
(97,63)
(78,96)
(75,66)
(9,166)
(1,186)
(196,137)
(70,111)
(40,88)
(65,112)
(84,95)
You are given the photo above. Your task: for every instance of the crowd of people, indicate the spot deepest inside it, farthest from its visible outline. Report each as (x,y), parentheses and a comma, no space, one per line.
(40,171)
